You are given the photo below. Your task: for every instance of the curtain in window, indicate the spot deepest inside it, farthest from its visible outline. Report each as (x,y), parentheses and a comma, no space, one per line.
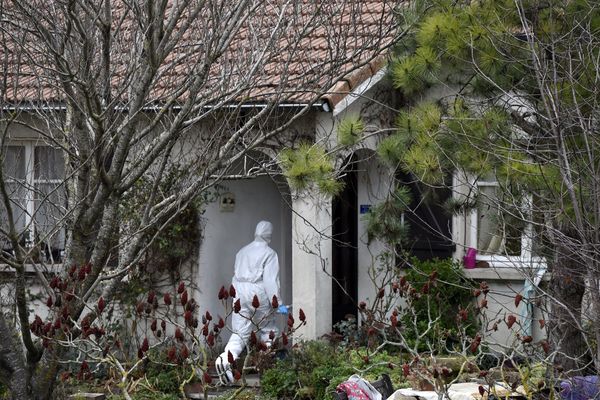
(15,174)
(499,229)
(49,198)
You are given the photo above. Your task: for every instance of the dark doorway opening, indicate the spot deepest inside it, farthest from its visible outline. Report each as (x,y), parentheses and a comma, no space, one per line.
(345,248)
(430,224)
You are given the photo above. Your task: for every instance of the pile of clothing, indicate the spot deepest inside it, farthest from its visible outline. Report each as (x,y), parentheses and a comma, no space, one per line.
(357,388)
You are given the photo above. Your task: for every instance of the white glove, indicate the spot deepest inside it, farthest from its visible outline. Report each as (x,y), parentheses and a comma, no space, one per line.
(224,370)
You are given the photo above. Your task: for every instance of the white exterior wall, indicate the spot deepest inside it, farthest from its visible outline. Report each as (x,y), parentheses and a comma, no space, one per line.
(36,290)
(312,244)
(373,187)
(504,284)
(311,249)
(312,221)
(505,276)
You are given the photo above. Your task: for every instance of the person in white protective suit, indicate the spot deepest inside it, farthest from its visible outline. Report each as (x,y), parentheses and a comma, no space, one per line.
(256,272)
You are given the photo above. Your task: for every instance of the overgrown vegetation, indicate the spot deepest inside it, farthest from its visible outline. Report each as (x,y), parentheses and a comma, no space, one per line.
(453,295)
(506,92)
(314,369)
(177,240)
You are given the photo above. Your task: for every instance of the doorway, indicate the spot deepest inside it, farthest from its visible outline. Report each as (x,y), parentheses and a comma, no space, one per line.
(345,248)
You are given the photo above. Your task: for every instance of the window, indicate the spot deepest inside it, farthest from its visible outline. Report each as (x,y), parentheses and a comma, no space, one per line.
(34,179)
(430,226)
(501,226)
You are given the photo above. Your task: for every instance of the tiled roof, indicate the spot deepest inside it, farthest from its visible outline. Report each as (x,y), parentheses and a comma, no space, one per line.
(286,51)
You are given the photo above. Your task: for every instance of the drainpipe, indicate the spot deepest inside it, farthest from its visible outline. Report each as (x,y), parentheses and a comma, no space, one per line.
(527,308)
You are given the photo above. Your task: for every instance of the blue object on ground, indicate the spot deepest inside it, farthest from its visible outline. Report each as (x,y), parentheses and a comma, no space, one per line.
(580,388)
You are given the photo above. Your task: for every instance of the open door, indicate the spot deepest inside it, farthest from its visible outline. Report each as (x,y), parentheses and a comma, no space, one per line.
(345,248)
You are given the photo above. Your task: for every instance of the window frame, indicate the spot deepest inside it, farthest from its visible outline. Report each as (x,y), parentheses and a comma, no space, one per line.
(30,188)
(526,257)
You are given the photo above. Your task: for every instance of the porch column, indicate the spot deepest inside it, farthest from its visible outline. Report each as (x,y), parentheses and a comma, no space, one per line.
(311,264)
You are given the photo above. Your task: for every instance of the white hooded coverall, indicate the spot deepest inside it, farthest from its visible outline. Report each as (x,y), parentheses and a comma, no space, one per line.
(256,272)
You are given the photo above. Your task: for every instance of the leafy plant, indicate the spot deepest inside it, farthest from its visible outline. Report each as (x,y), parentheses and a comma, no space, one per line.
(310,164)
(314,369)
(372,365)
(347,333)
(163,376)
(179,238)
(443,305)
(350,130)
(306,372)
(280,382)
(384,221)
(246,394)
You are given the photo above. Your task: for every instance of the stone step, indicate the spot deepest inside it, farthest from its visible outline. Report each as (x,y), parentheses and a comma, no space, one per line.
(252,381)
(88,396)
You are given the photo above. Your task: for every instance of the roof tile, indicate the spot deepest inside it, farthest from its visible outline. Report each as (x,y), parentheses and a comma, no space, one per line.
(335,50)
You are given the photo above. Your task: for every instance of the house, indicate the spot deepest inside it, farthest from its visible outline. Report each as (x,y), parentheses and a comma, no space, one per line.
(315,72)
(323,246)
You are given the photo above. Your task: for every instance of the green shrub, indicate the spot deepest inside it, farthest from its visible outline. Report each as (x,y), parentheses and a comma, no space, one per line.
(163,377)
(314,369)
(280,382)
(166,382)
(246,394)
(383,362)
(452,292)
(326,379)
(305,373)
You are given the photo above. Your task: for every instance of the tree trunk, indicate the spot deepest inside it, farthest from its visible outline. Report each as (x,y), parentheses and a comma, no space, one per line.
(44,377)
(574,355)
(13,371)
(27,381)
(19,387)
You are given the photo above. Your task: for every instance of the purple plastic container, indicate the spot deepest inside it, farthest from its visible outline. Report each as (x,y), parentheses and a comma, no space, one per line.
(470,259)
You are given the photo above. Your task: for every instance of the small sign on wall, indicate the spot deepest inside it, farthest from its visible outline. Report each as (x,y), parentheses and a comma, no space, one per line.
(365,208)
(227,203)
